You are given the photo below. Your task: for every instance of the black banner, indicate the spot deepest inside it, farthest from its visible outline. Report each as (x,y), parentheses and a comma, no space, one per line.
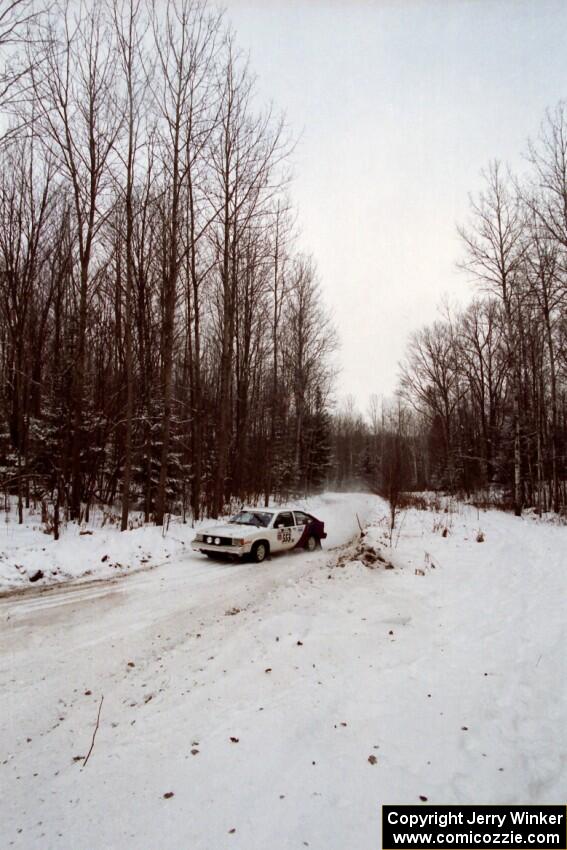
(463,827)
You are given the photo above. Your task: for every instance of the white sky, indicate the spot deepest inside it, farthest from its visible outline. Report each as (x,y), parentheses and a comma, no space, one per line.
(398,105)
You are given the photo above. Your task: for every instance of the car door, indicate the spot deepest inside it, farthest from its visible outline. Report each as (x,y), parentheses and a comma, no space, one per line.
(284,526)
(302,520)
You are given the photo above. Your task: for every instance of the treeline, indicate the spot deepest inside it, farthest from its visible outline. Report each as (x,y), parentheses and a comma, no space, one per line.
(162,341)
(483,391)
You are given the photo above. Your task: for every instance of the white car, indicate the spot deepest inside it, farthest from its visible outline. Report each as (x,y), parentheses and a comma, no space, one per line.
(260,531)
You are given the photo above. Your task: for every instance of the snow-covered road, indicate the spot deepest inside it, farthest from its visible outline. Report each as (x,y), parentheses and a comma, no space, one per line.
(253,696)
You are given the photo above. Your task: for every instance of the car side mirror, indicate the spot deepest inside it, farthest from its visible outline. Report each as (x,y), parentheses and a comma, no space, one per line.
(280,525)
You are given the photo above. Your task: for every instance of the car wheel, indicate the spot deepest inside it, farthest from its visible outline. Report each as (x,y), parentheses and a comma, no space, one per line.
(260,552)
(311,543)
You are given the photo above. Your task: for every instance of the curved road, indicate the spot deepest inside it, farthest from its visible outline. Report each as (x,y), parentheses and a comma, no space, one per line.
(62,648)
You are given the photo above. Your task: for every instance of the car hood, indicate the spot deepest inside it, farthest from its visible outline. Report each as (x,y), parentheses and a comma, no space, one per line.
(232,529)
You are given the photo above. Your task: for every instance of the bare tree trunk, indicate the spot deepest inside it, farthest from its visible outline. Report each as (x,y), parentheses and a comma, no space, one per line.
(167,370)
(129,47)
(78,395)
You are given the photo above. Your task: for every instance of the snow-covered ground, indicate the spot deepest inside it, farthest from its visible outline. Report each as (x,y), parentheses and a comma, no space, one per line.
(242,702)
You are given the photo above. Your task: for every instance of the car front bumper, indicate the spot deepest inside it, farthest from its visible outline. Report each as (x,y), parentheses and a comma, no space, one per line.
(235,551)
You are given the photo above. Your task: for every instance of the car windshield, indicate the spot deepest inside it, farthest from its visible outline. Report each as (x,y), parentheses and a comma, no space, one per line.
(257,518)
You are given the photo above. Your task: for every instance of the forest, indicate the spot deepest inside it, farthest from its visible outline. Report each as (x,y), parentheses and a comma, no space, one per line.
(165,345)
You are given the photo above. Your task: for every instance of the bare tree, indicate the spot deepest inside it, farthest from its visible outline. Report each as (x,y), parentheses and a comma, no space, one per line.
(310,339)
(430,382)
(545,197)
(484,361)
(185,40)
(495,248)
(247,149)
(75,103)
(280,234)
(130,32)
(19,29)
(548,288)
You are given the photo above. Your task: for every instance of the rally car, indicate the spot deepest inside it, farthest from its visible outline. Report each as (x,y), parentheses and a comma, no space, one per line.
(257,532)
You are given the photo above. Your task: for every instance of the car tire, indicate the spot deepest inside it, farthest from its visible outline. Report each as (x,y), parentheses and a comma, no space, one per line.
(260,551)
(311,543)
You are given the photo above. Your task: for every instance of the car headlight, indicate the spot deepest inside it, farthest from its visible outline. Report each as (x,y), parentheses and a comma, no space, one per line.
(217,541)
(209,539)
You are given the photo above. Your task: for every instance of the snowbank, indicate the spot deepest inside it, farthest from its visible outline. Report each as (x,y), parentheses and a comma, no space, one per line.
(85,552)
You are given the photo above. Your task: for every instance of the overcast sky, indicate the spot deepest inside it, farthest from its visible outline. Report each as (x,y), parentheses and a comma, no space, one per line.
(398,106)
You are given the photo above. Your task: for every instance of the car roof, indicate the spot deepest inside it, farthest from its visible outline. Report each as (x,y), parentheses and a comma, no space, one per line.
(280,509)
